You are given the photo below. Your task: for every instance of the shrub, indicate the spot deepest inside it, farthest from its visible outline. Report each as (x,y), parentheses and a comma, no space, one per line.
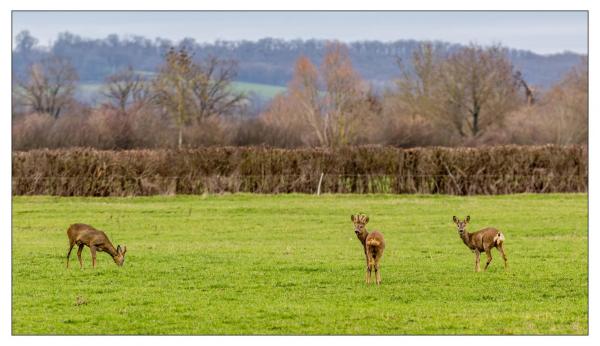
(367,169)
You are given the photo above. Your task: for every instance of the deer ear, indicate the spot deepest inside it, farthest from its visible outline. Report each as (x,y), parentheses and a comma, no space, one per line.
(454,219)
(124,249)
(119,249)
(352,217)
(468,218)
(366,220)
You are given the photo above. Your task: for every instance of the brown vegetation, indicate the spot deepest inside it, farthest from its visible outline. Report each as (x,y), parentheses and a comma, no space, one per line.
(559,116)
(471,97)
(369,169)
(191,92)
(49,88)
(329,107)
(124,90)
(467,92)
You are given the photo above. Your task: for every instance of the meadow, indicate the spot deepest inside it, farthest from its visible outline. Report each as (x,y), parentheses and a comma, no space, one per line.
(92,91)
(291,264)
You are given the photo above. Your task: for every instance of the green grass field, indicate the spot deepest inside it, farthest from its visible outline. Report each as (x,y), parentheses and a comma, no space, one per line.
(291,264)
(93,91)
(265,91)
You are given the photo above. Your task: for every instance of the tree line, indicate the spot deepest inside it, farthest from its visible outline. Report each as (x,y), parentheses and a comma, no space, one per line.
(469,96)
(266,61)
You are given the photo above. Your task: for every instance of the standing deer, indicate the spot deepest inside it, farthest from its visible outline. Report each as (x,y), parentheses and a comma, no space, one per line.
(96,240)
(373,245)
(480,241)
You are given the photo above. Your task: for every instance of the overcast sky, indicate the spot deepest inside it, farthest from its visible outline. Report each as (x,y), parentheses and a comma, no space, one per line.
(541,32)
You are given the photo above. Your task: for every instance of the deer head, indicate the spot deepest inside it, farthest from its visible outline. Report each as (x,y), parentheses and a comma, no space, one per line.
(462,225)
(360,221)
(120,256)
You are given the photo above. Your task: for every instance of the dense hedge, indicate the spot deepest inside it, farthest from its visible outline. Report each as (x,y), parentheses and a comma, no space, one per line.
(460,171)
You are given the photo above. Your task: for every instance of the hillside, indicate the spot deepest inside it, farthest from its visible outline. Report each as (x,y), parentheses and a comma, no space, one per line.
(268,62)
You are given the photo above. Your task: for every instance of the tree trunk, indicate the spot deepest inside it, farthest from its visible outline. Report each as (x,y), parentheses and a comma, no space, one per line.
(180,142)
(476,111)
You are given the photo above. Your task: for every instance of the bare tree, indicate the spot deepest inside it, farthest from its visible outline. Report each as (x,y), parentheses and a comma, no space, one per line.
(330,106)
(195,91)
(412,114)
(563,111)
(173,88)
(125,88)
(529,90)
(420,88)
(304,98)
(469,91)
(480,88)
(346,101)
(212,89)
(50,86)
(295,115)
(285,123)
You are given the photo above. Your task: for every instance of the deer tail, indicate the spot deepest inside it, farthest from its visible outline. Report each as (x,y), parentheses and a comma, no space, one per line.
(373,242)
(499,238)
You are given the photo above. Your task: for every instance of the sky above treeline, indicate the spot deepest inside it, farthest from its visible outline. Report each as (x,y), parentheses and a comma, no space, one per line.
(543,32)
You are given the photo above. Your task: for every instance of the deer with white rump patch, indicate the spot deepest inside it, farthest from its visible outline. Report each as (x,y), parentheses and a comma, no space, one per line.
(481,241)
(373,245)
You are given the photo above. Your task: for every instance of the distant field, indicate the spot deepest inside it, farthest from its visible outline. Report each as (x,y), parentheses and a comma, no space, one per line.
(266,91)
(291,264)
(91,92)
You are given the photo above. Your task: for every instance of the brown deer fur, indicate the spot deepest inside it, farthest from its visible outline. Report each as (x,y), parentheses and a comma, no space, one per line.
(96,240)
(481,241)
(373,246)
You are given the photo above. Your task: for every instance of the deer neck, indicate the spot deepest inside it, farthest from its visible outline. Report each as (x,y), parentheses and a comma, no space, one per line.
(466,237)
(111,249)
(363,237)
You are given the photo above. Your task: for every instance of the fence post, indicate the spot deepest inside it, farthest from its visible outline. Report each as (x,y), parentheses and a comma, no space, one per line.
(319,187)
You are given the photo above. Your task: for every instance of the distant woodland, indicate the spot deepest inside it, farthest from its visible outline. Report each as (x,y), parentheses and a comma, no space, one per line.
(267,61)
(163,94)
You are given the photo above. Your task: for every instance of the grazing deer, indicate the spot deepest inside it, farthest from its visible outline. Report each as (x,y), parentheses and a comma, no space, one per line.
(96,240)
(480,241)
(373,245)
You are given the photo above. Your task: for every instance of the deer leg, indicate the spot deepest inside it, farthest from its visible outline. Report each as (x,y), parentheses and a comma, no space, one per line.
(488,254)
(477,253)
(79,256)
(93,251)
(367,267)
(377,272)
(370,264)
(69,252)
(501,249)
